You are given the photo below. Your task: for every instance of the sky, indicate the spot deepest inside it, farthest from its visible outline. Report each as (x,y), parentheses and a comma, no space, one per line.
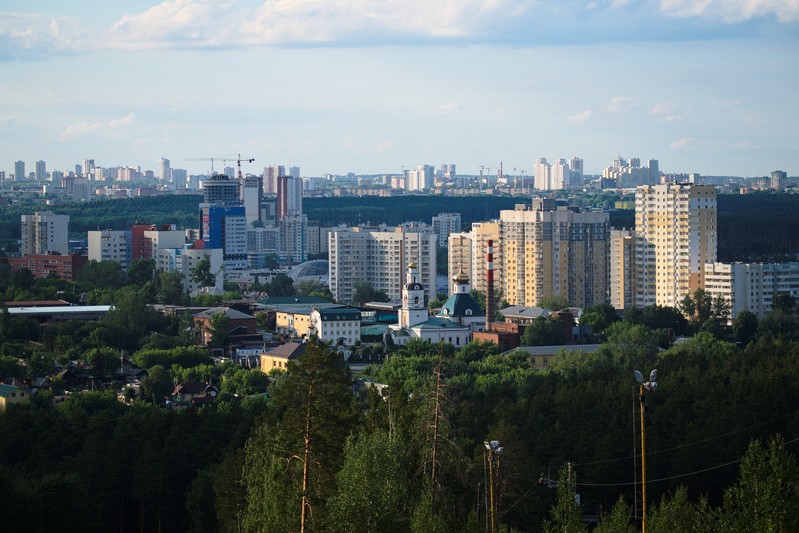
(375,86)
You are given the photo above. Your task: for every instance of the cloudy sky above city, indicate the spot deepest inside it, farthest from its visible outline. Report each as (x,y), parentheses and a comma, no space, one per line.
(372,86)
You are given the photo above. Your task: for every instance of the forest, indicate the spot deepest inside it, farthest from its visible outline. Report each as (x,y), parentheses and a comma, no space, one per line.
(316,449)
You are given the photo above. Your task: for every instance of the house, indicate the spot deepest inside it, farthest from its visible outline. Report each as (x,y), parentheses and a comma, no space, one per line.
(238,323)
(543,356)
(193,392)
(339,325)
(10,395)
(279,357)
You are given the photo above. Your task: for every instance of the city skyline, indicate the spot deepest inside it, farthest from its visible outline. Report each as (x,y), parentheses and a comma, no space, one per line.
(706,87)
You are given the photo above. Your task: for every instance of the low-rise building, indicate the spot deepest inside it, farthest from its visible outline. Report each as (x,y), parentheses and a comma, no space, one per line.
(10,395)
(279,358)
(337,325)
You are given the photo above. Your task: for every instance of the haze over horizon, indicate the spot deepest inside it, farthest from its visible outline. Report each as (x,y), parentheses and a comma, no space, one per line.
(372,86)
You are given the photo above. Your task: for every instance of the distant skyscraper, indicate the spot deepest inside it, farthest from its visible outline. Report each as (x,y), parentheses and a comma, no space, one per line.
(78,170)
(289,196)
(444,224)
(251,195)
(422,178)
(230,172)
(41,170)
(778,180)
(179,176)
(542,175)
(2,180)
(164,174)
(294,172)
(577,171)
(561,175)
(88,168)
(19,170)
(632,174)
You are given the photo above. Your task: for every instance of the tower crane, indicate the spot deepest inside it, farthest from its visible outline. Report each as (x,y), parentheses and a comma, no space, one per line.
(211,159)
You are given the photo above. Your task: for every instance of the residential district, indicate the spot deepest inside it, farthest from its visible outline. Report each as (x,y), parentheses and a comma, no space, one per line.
(546,263)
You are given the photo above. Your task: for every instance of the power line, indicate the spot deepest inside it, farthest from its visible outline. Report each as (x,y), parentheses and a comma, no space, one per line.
(604,461)
(628,483)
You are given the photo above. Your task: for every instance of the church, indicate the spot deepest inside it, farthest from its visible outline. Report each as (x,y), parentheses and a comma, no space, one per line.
(459,317)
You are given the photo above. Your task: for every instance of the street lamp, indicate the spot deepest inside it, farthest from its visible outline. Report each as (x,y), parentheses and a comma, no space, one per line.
(643,387)
(494,449)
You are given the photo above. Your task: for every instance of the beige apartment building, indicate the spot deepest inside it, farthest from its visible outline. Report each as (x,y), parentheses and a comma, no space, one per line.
(678,224)
(468,252)
(550,250)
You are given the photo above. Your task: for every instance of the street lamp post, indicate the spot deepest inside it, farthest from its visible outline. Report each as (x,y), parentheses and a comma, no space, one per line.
(644,387)
(494,449)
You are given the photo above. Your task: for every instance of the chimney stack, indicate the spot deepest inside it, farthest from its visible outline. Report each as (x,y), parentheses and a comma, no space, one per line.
(490,283)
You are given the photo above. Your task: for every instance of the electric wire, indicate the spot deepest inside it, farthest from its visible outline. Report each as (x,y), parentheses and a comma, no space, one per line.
(630,483)
(687,444)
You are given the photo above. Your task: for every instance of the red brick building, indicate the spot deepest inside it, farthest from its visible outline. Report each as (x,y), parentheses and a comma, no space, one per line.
(63,266)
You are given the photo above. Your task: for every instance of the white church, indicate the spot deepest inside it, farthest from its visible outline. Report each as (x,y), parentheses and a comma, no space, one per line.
(459,316)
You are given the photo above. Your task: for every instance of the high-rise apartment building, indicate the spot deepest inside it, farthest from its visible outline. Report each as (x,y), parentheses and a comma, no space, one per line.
(444,224)
(179,177)
(678,223)
(779,179)
(220,189)
(45,233)
(576,170)
(422,178)
(41,170)
(632,174)
(550,250)
(292,238)
(542,178)
(294,172)
(560,174)
(632,270)
(251,196)
(87,170)
(111,245)
(380,256)
(164,173)
(19,170)
(271,173)
(751,286)
(289,196)
(467,252)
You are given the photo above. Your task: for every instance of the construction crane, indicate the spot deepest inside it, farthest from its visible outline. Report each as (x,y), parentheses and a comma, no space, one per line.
(239,160)
(224,160)
(211,159)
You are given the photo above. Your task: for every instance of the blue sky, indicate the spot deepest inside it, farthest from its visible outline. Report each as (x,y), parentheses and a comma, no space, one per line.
(369,86)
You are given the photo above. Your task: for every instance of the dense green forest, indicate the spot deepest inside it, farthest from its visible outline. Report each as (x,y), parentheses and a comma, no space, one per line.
(753,227)
(721,429)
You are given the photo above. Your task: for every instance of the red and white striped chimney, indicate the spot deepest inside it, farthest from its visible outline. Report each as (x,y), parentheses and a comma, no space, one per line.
(490,285)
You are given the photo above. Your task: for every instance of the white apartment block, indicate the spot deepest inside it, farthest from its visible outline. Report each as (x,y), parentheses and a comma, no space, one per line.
(751,286)
(45,232)
(678,222)
(631,270)
(379,256)
(444,224)
(110,245)
(292,238)
(184,260)
(469,251)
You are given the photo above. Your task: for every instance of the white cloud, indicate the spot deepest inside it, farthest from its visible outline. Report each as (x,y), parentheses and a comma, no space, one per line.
(732,10)
(620,104)
(85,128)
(681,144)
(667,111)
(358,146)
(443,109)
(34,35)
(581,117)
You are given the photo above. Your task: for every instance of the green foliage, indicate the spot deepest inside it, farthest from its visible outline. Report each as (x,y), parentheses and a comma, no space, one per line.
(545,331)
(554,303)
(281,285)
(104,361)
(677,513)
(373,490)
(185,357)
(767,479)
(744,327)
(101,275)
(157,385)
(170,289)
(364,292)
(599,317)
(566,514)
(618,520)
(202,275)
(141,272)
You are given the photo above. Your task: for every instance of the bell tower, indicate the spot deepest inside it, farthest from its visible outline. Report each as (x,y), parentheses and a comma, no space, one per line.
(413,309)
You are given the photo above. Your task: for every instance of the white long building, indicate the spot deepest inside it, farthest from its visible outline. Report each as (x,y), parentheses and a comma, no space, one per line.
(380,257)
(751,286)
